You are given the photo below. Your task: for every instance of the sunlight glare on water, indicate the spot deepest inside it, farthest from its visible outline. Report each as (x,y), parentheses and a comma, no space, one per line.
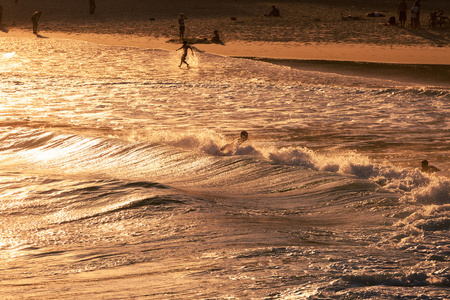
(112,169)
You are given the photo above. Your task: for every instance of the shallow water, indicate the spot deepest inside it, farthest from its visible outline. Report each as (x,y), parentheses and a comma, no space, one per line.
(114,184)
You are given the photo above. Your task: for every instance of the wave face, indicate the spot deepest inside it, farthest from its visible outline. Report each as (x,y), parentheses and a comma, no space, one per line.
(114,168)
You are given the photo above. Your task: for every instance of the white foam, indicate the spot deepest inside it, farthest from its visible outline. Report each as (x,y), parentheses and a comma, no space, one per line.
(6,56)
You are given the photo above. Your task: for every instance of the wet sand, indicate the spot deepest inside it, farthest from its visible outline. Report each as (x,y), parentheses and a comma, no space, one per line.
(422,74)
(398,54)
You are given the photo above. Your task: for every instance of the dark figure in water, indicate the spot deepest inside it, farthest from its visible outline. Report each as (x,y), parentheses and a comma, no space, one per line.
(35,19)
(185,48)
(92,7)
(244,137)
(428,169)
(231,147)
(275,12)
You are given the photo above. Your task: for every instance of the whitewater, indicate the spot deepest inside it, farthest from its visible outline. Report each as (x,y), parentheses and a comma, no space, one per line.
(113,184)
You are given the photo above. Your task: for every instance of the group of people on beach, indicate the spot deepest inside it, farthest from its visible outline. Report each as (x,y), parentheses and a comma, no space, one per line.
(185,47)
(414,13)
(181,22)
(275,12)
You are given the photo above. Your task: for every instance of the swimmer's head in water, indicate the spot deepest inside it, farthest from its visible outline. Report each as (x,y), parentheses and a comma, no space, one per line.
(244,135)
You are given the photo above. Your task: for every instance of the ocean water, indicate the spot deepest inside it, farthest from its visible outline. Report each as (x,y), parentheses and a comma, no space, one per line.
(113,184)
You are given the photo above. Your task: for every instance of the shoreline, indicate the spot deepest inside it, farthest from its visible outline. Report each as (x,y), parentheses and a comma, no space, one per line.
(436,76)
(337,52)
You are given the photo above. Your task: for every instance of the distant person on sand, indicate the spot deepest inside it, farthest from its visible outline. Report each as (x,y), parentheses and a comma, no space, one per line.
(428,169)
(35,19)
(418,13)
(275,12)
(185,48)
(182,25)
(92,7)
(216,38)
(402,8)
(415,15)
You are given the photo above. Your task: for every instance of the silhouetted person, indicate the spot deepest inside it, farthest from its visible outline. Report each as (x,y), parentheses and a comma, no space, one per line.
(244,137)
(428,169)
(182,25)
(35,19)
(185,48)
(1,15)
(216,38)
(418,13)
(402,8)
(275,12)
(415,12)
(92,7)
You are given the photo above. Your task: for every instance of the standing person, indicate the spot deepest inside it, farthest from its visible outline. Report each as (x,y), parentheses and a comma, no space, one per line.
(92,7)
(182,26)
(418,13)
(185,48)
(414,14)
(35,19)
(402,8)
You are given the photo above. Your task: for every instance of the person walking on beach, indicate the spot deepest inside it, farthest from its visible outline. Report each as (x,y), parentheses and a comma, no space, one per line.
(35,19)
(402,8)
(185,48)
(182,26)
(92,7)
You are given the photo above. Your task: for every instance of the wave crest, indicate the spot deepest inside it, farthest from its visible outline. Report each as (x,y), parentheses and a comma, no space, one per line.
(415,185)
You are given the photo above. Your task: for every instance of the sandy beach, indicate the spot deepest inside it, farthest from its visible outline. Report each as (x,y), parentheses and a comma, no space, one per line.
(321,31)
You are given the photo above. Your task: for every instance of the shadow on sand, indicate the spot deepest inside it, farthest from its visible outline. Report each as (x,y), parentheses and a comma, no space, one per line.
(192,41)
(41,36)
(438,39)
